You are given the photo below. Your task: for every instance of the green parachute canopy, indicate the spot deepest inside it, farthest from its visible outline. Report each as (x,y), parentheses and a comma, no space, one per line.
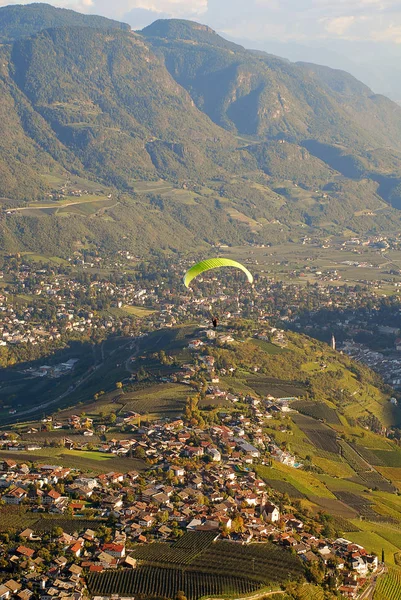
(214,263)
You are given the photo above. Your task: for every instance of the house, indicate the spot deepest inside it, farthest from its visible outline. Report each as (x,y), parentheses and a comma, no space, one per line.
(15,496)
(76,548)
(28,534)
(214,453)
(116,550)
(192,526)
(194,344)
(8,464)
(360,566)
(146,521)
(106,560)
(51,497)
(5,593)
(130,562)
(178,471)
(13,585)
(193,451)
(270,513)
(24,551)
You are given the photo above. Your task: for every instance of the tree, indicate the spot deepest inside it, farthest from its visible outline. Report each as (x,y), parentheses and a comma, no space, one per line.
(57,532)
(238,524)
(140,453)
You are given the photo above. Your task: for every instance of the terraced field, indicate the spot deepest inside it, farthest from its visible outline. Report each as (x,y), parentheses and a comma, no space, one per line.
(363,507)
(320,435)
(389,586)
(200,567)
(317,410)
(162,583)
(13,518)
(278,388)
(390,458)
(366,475)
(283,487)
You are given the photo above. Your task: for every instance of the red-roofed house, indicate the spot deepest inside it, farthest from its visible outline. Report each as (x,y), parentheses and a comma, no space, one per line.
(116,550)
(28,552)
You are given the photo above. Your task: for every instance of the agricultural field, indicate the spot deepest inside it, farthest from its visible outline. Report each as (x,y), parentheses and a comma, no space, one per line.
(267,347)
(283,487)
(44,525)
(276,387)
(390,458)
(335,507)
(306,483)
(270,563)
(393,474)
(344,525)
(309,592)
(182,552)
(333,468)
(363,507)
(152,187)
(365,474)
(163,582)
(15,518)
(86,461)
(298,263)
(321,436)
(389,585)
(167,400)
(369,455)
(317,410)
(201,566)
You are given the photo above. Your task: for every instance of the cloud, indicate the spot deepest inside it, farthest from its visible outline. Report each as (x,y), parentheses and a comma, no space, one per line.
(390,34)
(339,25)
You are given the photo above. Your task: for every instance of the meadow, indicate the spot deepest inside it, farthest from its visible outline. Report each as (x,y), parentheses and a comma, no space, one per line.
(85,461)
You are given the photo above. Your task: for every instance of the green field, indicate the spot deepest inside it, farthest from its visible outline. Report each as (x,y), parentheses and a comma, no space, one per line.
(389,585)
(281,261)
(158,400)
(88,462)
(373,542)
(304,482)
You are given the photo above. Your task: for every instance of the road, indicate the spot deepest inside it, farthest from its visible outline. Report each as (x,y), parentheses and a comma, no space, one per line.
(370,590)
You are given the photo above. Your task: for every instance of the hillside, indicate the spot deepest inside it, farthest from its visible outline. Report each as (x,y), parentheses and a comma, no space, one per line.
(20,21)
(350,469)
(180,135)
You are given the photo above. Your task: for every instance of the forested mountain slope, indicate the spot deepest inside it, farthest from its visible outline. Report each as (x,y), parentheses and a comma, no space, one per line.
(21,21)
(251,147)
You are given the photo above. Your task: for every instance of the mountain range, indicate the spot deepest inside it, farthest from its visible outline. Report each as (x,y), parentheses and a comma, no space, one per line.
(242,146)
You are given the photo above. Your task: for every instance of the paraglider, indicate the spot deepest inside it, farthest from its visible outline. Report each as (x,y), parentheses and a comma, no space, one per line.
(214,263)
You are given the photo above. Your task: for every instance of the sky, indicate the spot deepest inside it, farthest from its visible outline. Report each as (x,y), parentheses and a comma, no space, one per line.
(362,36)
(286,20)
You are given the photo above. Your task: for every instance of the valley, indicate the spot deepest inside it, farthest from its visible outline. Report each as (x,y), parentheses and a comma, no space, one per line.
(225,440)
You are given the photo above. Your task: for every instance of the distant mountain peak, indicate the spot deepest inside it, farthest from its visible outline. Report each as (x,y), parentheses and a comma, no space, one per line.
(181,29)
